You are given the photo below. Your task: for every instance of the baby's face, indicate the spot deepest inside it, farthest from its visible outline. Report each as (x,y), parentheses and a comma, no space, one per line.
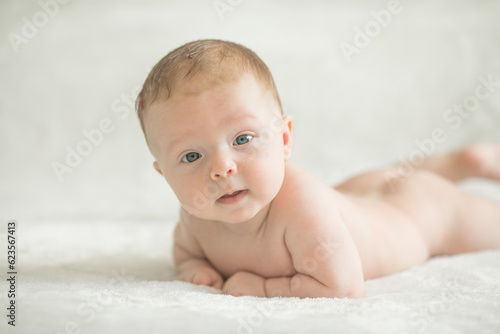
(222,150)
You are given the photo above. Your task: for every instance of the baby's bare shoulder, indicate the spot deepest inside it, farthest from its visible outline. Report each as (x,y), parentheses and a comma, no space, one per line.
(304,200)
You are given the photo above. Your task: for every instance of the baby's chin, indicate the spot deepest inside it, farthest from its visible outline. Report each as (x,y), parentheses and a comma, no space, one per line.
(237,216)
(232,219)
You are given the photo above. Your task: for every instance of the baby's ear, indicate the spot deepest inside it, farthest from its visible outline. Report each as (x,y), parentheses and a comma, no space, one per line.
(287,136)
(157,167)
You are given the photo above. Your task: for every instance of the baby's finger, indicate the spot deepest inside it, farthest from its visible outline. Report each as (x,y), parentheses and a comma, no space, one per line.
(182,277)
(217,283)
(202,278)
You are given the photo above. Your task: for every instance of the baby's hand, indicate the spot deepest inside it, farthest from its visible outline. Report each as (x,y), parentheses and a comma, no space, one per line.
(204,276)
(244,283)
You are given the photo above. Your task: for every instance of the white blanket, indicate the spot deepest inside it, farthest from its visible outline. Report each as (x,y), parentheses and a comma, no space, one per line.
(113,277)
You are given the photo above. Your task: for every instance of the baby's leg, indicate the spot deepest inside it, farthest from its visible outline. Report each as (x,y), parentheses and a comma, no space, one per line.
(447,220)
(477,226)
(481,160)
(450,220)
(474,161)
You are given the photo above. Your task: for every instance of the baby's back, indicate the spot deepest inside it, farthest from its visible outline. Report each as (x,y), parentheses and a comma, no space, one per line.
(386,239)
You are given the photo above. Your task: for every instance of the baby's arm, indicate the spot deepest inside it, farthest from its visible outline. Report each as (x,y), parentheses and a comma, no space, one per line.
(191,264)
(324,256)
(327,265)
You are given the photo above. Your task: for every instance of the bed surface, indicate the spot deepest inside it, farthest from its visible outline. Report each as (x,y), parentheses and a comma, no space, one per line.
(105,276)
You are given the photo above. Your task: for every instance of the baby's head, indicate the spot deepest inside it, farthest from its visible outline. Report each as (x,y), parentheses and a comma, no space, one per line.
(212,118)
(201,64)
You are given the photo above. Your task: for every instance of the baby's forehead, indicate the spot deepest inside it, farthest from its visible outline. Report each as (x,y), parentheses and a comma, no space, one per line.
(200,88)
(192,99)
(189,109)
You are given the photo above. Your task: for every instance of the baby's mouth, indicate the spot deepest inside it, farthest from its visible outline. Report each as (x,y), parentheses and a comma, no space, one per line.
(233,197)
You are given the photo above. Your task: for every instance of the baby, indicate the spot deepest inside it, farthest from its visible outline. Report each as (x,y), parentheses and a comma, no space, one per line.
(254,223)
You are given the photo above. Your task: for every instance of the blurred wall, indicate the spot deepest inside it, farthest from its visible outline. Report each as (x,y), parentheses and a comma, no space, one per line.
(365,81)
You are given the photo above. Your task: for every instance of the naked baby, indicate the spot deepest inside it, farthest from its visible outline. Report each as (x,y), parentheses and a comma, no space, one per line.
(254,223)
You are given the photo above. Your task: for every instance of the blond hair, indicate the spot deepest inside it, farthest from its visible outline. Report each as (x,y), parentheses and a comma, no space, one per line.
(213,61)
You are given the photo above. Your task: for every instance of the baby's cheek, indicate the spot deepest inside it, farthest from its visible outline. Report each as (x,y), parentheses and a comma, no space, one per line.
(269,176)
(193,197)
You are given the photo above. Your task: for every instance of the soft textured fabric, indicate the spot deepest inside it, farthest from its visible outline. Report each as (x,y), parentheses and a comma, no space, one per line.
(103,277)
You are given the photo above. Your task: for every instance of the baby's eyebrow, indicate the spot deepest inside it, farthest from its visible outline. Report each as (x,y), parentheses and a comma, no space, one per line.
(171,144)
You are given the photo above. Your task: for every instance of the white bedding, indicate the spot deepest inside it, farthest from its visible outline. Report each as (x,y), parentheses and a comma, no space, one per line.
(113,277)
(94,243)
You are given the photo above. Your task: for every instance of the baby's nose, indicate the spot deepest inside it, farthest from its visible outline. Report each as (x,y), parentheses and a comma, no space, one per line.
(216,176)
(223,169)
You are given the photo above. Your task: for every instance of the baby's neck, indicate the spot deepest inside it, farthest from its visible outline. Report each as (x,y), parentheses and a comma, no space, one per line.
(248,228)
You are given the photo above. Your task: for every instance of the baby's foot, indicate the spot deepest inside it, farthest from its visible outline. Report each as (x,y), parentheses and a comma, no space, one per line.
(482,160)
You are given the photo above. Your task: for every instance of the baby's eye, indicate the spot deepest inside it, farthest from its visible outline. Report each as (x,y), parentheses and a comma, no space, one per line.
(243,139)
(191,157)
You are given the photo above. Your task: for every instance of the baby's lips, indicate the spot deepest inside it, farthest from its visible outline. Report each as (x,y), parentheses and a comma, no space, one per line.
(233,197)
(230,193)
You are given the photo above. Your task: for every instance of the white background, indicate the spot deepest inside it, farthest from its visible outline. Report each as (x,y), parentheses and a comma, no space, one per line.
(73,71)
